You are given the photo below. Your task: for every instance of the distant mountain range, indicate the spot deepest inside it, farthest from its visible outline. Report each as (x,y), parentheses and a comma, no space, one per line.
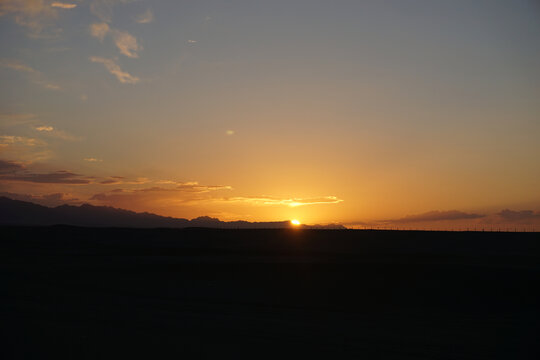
(15,212)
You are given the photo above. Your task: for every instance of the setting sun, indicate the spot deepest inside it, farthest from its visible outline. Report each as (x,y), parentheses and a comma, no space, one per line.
(295,222)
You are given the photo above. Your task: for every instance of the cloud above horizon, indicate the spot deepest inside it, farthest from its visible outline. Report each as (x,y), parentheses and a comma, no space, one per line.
(292,202)
(99,30)
(519,216)
(437,215)
(33,75)
(50,131)
(125,42)
(13,119)
(56,177)
(191,187)
(35,15)
(114,69)
(7,166)
(103,9)
(146,17)
(23,148)
(63,5)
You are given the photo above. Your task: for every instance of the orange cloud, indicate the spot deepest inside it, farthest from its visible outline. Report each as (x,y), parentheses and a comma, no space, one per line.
(99,30)
(63,5)
(44,128)
(126,43)
(33,74)
(113,68)
(57,177)
(292,202)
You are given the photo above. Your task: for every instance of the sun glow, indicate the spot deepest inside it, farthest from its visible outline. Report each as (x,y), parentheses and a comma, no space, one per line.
(295,222)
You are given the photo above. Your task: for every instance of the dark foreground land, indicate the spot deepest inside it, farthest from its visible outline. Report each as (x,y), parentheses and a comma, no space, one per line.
(85,293)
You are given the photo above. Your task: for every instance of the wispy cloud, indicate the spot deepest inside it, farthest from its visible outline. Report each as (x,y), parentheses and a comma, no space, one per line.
(34,15)
(430,218)
(126,43)
(7,166)
(292,202)
(57,177)
(51,86)
(17,66)
(113,68)
(63,5)
(14,119)
(92,159)
(38,16)
(518,216)
(111,182)
(44,128)
(99,30)
(117,180)
(103,9)
(145,18)
(188,189)
(23,148)
(34,75)
(23,140)
(194,186)
(56,133)
(192,41)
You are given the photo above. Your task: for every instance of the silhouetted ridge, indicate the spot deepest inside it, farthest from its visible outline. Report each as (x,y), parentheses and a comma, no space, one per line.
(16,212)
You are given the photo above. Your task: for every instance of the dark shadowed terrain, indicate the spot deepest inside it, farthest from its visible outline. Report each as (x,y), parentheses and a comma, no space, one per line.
(24,213)
(88,293)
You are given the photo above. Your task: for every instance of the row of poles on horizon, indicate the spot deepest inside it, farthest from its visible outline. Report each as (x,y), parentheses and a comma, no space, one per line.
(457,229)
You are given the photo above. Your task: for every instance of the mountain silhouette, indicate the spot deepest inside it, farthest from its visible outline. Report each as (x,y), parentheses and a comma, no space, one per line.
(16,212)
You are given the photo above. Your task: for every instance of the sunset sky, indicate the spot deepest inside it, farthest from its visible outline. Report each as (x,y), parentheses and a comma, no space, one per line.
(353,112)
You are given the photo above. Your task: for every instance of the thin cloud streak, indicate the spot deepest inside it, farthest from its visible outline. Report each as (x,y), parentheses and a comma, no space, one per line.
(34,75)
(23,148)
(7,166)
(518,216)
(437,216)
(103,9)
(145,18)
(113,68)
(44,128)
(34,15)
(293,202)
(56,133)
(22,140)
(63,5)
(13,119)
(191,187)
(57,177)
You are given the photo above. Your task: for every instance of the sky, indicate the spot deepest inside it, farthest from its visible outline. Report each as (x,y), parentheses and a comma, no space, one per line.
(394,113)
